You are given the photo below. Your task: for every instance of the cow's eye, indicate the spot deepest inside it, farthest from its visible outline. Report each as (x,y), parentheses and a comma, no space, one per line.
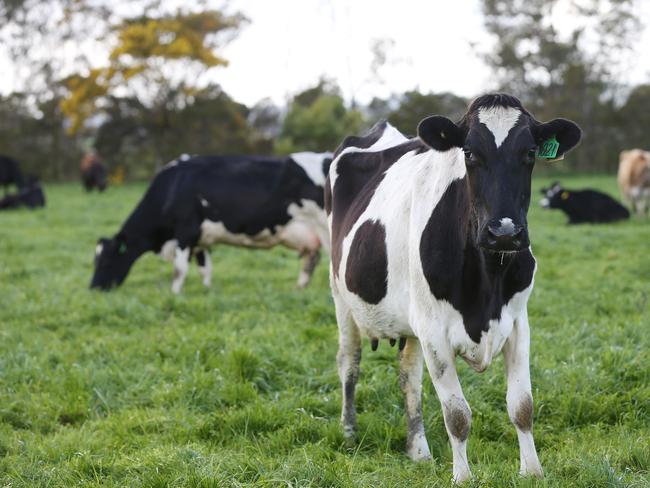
(470,158)
(530,155)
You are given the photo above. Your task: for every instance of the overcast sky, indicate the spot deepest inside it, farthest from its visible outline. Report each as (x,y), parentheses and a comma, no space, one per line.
(289,44)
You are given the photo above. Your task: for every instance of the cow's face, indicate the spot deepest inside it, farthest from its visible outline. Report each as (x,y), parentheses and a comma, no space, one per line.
(500,141)
(554,196)
(113,259)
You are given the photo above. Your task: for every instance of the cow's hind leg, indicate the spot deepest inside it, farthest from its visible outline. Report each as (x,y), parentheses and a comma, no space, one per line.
(310,260)
(519,396)
(457,414)
(347,359)
(205,266)
(410,380)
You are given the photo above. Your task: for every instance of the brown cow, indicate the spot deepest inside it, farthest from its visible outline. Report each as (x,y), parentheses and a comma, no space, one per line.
(634,179)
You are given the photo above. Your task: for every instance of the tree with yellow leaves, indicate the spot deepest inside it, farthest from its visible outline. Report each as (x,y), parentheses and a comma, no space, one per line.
(159,60)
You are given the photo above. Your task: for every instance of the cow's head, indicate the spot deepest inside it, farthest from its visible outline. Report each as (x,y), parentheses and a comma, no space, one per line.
(554,196)
(500,141)
(113,260)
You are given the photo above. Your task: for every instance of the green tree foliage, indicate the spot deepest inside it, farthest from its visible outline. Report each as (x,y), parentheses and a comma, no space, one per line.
(574,74)
(212,123)
(317,120)
(407,110)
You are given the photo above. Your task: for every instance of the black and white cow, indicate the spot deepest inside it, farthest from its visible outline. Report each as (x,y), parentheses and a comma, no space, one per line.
(430,246)
(583,206)
(196,202)
(10,173)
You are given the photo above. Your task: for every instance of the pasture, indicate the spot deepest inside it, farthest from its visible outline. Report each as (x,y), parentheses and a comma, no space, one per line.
(237,385)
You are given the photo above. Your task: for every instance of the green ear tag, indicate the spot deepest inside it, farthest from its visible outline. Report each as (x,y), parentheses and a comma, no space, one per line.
(548,149)
(122,249)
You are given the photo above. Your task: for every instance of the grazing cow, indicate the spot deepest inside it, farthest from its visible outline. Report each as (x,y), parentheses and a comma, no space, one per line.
(429,246)
(10,173)
(634,179)
(29,195)
(583,206)
(195,202)
(93,173)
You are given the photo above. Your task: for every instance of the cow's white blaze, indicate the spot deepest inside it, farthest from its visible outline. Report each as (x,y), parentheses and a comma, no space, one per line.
(499,121)
(312,163)
(98,249)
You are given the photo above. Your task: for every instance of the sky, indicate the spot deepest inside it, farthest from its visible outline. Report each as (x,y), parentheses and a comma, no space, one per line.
(289,44)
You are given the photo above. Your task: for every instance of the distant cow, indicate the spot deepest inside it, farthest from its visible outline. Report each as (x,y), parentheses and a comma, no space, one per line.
(583,206)
(10,173)
(430,247)
(93,173)
(29,195)
(195,202)
(634,179)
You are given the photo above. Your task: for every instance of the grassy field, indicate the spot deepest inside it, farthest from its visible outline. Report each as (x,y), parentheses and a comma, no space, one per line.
(237,385)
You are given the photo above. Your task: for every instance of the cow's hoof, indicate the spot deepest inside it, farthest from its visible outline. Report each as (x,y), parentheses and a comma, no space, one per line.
(418,449)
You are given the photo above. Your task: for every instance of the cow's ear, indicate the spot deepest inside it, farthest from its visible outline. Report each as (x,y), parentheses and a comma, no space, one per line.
(556,138)
(440,133)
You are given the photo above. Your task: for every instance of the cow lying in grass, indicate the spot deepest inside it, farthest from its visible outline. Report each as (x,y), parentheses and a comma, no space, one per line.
(430,247)
(30,195)
(583,206)
(196,202)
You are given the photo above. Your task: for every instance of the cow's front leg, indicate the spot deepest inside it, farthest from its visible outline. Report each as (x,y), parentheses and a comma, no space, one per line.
(310,259)
(347,359)
(519,396)
(205,266)
(410,380)
(181,266)
(458,416)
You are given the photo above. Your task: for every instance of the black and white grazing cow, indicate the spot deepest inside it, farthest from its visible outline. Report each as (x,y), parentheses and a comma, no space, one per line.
(430,246)
(196,202)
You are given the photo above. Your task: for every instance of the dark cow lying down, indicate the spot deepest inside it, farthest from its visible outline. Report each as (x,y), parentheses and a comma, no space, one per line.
(430,247)
(583,206)
(29,195)
(246,201)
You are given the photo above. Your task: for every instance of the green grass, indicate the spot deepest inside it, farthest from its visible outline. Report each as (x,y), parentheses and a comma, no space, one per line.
(237,385)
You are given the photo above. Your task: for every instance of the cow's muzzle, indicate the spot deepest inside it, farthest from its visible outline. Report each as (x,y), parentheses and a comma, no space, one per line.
(504,235)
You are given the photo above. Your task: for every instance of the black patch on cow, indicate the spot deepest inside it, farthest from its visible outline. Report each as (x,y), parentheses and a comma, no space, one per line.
(358,176)
(366,272)
(475,282)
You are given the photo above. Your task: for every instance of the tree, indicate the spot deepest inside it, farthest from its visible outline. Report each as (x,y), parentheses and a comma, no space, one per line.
(317,120)
(574,74)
